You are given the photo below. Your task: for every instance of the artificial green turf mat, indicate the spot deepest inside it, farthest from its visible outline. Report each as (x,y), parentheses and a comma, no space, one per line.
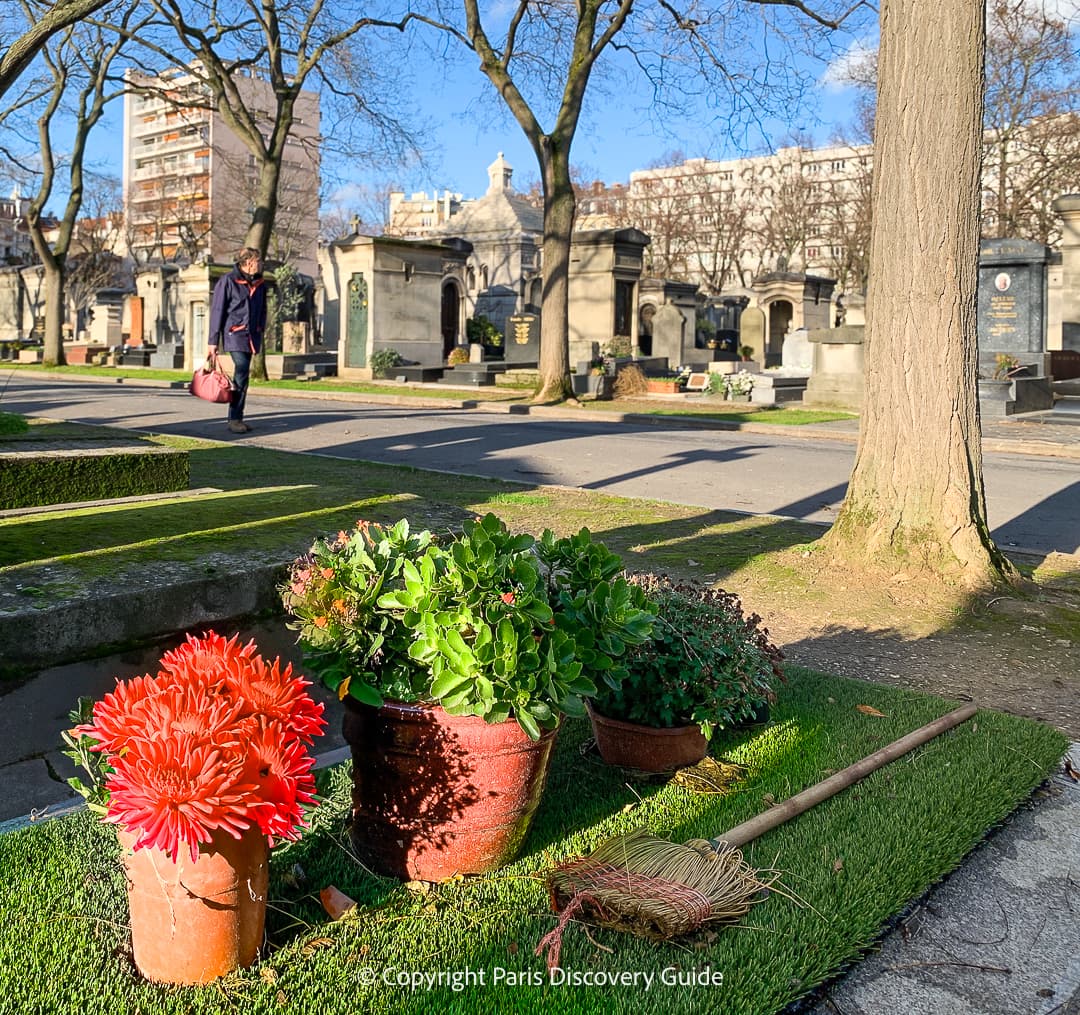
(897,832)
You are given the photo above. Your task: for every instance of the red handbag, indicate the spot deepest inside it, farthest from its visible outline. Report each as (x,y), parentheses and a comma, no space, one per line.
(211,383)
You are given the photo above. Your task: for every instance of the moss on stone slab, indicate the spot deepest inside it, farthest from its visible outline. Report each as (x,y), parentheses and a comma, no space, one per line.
(59,477)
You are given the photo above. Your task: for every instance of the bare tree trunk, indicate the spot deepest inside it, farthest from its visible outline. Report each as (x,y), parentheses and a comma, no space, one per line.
(258,234)
(559,204)
(916,498)
(53,353)
(266,203)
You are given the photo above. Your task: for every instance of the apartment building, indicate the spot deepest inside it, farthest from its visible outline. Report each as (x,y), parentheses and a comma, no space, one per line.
(419,216)
(189,180)
(721,223)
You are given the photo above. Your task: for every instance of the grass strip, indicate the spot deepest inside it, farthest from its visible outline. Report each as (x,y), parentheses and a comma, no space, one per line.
(292,498)
(854,861)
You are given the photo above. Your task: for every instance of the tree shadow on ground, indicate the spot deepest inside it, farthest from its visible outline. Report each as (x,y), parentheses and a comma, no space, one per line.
(1017,664)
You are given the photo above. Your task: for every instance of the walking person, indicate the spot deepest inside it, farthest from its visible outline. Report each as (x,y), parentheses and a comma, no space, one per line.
(237,322)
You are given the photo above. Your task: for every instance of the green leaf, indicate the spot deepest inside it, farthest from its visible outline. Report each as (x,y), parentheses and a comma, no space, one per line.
(365,693)
(529,725)
(447,683)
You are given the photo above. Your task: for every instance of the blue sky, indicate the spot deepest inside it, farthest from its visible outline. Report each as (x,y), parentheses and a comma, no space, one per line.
(618,132)
(616,135)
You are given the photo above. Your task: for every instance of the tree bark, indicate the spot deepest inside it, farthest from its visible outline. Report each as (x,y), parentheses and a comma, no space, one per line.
(53,353)
(916,498)
(22,50)
(559,206)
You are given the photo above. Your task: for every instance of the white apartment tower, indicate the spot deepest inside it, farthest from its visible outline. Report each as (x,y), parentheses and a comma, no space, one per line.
(189,180)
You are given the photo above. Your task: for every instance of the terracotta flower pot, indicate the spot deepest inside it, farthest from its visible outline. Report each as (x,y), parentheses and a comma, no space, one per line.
(647,748)
(436,795)
(192,922)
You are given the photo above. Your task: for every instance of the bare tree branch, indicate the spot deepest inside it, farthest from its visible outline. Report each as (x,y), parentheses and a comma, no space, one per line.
(58,16)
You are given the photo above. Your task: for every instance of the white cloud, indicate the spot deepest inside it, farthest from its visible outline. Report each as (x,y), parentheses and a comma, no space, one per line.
(839,73)
(1067,10)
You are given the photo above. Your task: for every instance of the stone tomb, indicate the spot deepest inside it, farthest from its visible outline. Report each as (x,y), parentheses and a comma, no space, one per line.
(1012,300)
(788,383)
(522,340)
(669,333)
(1012,305)
(752,331)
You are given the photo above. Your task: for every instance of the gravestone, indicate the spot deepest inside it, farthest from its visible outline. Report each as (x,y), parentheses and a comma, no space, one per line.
(167,356)
(522,341)
(668,327)
(1012,301)
(796,355)
(752,331)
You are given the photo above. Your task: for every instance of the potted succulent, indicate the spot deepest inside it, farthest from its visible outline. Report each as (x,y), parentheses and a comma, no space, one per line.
(201,768)
(705,666)
(455,660)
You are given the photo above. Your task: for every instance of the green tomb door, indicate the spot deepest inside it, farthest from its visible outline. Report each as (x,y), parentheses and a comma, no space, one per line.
(356,323)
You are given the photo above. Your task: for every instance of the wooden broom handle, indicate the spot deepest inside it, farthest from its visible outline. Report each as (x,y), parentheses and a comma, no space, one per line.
(793,806)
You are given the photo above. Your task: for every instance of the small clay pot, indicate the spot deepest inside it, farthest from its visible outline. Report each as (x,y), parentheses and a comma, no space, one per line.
(193,921)
(647,748)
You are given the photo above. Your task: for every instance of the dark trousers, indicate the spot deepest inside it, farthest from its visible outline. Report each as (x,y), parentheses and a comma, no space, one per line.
(241,372)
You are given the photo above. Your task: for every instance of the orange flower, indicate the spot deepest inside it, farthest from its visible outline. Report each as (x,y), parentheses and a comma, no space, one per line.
(328,572)
(319,621)
(339,605)
(270,692)
(166,795)
(281,772)
(214,741)
(508,598)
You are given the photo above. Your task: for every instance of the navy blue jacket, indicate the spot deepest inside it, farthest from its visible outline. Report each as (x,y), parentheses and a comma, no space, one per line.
(238,312)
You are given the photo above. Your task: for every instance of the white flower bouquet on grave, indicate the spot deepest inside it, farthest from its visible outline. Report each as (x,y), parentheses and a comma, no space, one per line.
(740,383)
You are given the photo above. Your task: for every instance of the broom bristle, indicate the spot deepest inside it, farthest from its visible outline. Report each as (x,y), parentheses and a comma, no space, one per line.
(658,889)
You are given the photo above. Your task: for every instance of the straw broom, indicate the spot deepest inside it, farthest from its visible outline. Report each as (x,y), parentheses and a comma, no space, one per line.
(655,888)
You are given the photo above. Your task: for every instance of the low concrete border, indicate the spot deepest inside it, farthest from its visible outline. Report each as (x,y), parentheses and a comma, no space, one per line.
(37,638)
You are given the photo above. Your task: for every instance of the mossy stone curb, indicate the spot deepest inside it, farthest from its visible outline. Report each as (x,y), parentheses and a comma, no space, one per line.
(36,638)
(35,476)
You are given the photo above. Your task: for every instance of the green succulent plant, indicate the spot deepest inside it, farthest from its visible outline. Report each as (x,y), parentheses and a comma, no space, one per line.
(486,622)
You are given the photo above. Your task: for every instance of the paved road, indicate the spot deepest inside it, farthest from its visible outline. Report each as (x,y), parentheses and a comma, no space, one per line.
(1033,502)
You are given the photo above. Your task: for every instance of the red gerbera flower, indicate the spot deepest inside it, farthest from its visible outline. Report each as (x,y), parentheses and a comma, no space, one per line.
(280,770)
(214,741)
(275,693)
(189,714)
(166,795)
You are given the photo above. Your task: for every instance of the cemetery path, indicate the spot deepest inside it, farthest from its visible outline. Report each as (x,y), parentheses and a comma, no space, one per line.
(1033,497)
(1019,655)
